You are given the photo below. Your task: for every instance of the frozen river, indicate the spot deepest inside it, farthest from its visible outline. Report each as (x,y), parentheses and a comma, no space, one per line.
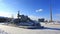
(49,29)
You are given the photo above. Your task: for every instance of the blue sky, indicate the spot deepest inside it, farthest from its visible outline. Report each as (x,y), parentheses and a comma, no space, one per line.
(32,8)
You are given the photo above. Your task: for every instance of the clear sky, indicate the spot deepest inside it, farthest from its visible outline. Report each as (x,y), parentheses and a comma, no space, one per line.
(32,8)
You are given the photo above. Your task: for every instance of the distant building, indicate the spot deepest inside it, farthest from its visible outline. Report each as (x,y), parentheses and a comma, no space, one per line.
(41,20)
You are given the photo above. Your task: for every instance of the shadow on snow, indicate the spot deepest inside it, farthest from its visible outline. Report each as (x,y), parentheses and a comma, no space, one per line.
(43,28)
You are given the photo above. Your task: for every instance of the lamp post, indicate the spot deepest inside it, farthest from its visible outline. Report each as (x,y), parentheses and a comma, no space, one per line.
(18,16)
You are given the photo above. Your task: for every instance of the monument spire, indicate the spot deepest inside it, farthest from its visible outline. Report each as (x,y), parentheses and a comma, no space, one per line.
(50,12)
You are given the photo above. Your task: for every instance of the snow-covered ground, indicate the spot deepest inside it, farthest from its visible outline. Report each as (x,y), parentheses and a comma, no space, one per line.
(49,29)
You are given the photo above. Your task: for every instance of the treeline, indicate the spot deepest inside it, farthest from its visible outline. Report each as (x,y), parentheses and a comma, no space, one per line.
(4,19)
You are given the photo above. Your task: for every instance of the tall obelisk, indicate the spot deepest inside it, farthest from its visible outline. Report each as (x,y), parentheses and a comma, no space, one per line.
(51,13)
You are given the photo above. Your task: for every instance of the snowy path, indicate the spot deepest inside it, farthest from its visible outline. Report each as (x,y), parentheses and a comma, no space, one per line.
(16,30)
